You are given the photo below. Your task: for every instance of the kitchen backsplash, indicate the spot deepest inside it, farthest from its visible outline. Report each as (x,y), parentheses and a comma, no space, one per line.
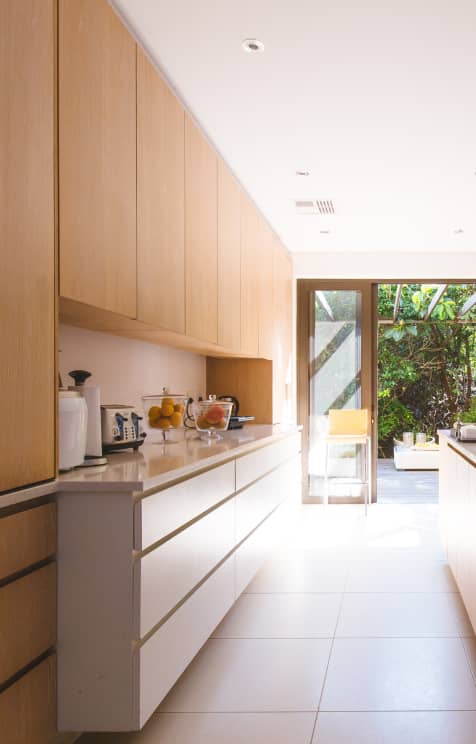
(125,369)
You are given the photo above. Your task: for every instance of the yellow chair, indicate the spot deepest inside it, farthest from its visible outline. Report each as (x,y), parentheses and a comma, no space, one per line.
(350,426)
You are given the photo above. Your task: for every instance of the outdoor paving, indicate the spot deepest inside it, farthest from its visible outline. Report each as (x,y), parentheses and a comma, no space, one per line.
(405,486)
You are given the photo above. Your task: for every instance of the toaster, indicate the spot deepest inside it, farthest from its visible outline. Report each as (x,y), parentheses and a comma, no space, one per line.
(121,427)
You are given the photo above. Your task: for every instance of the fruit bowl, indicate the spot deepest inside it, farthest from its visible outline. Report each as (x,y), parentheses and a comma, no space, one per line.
(164,413)
(212,416)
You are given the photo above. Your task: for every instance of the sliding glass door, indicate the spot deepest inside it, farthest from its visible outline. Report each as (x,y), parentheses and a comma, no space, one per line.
(335,370)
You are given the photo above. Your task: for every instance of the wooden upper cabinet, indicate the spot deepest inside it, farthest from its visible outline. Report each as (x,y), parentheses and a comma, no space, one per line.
(201,258)
(229,259)
(160,201)
(27,220)
(249,277)
(265,291)
(97,157)
(282,332)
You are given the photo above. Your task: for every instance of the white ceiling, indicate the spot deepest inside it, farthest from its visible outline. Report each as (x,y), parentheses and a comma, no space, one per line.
(377,99)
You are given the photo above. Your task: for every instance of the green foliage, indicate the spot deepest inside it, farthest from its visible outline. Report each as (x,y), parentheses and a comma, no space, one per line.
(426,369)
(469,416)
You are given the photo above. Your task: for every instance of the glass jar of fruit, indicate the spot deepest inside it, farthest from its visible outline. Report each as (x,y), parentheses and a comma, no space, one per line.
(164,413)
(212,416)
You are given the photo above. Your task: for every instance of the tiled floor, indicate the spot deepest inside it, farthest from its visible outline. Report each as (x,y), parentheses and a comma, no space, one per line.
(406,486)
(353,633)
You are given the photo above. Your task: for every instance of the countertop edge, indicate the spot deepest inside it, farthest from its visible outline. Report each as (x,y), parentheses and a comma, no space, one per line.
(11,498)
(137,487)
(466,449)
(143,487)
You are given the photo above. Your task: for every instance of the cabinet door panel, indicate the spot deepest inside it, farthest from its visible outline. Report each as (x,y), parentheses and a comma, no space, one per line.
(249,278)
(229,259)
(27,537)
(28,707)
(97,157)
(160,201)
(27,619)
(265,291)
(282,333)
(201,259)
(27,219)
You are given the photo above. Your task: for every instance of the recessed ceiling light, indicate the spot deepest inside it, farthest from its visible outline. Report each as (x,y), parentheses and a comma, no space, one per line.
(252,46)
(325,232)
(302,173)
(458,231)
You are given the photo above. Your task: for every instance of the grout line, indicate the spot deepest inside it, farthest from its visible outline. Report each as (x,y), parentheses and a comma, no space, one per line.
(466,654)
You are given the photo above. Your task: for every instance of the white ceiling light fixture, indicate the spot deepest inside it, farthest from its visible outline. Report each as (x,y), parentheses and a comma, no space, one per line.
(253,46)
(302,173)
(458,231)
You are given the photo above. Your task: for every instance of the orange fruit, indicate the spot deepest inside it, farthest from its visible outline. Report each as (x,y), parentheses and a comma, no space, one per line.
(167,402)
(163,423)
(178,408)
(221,424)
(167,409)
(176,419)
(154,413)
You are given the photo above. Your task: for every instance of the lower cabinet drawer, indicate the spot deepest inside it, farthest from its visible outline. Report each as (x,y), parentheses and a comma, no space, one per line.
(161,513)
(27,619)
(168,652)
(251,555)
(26,538)
(257,463)
(257,501)
(168,573)
(28,707)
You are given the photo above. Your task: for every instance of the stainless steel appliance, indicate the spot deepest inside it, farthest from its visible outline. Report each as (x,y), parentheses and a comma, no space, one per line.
(121,427)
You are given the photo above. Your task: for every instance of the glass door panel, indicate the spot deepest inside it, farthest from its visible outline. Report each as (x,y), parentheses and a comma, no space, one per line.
(335,370)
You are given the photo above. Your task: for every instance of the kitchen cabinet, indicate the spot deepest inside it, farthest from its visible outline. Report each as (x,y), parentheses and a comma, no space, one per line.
(160,201)
(97,157)
(144,597)
(27,216)
(282,333)
(201,255)
(229,259)
(28,707)
(27,624)
(249,277)
(457,488)
(265,290)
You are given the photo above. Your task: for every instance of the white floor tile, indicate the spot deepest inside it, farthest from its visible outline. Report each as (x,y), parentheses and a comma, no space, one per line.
(455,727)
(252,676)
(470,649)
(403,615)
(300,574)
(400,576)
(398,674)
(217,728)
(281,616)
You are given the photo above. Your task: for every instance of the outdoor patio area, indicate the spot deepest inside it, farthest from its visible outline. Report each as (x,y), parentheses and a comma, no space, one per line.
(405,486)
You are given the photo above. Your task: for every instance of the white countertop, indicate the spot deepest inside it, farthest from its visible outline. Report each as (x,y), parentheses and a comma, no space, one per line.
(468,449)
(156,465)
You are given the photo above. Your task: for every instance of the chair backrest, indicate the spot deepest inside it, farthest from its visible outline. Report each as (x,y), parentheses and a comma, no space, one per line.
(348,421)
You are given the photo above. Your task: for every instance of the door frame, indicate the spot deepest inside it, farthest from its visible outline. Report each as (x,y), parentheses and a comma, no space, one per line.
(368,290)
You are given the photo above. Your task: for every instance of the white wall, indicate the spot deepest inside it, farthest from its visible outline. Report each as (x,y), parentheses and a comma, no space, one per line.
(126,369)
(385,265)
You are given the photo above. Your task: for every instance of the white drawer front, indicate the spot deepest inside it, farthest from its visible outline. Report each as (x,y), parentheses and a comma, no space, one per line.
(250,556)
(258,500)
(168,573)
(169,651)
(256,464)
(161,513)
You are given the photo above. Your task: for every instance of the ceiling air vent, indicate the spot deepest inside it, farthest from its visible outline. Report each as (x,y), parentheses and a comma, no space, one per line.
(315,206)
(325,206)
